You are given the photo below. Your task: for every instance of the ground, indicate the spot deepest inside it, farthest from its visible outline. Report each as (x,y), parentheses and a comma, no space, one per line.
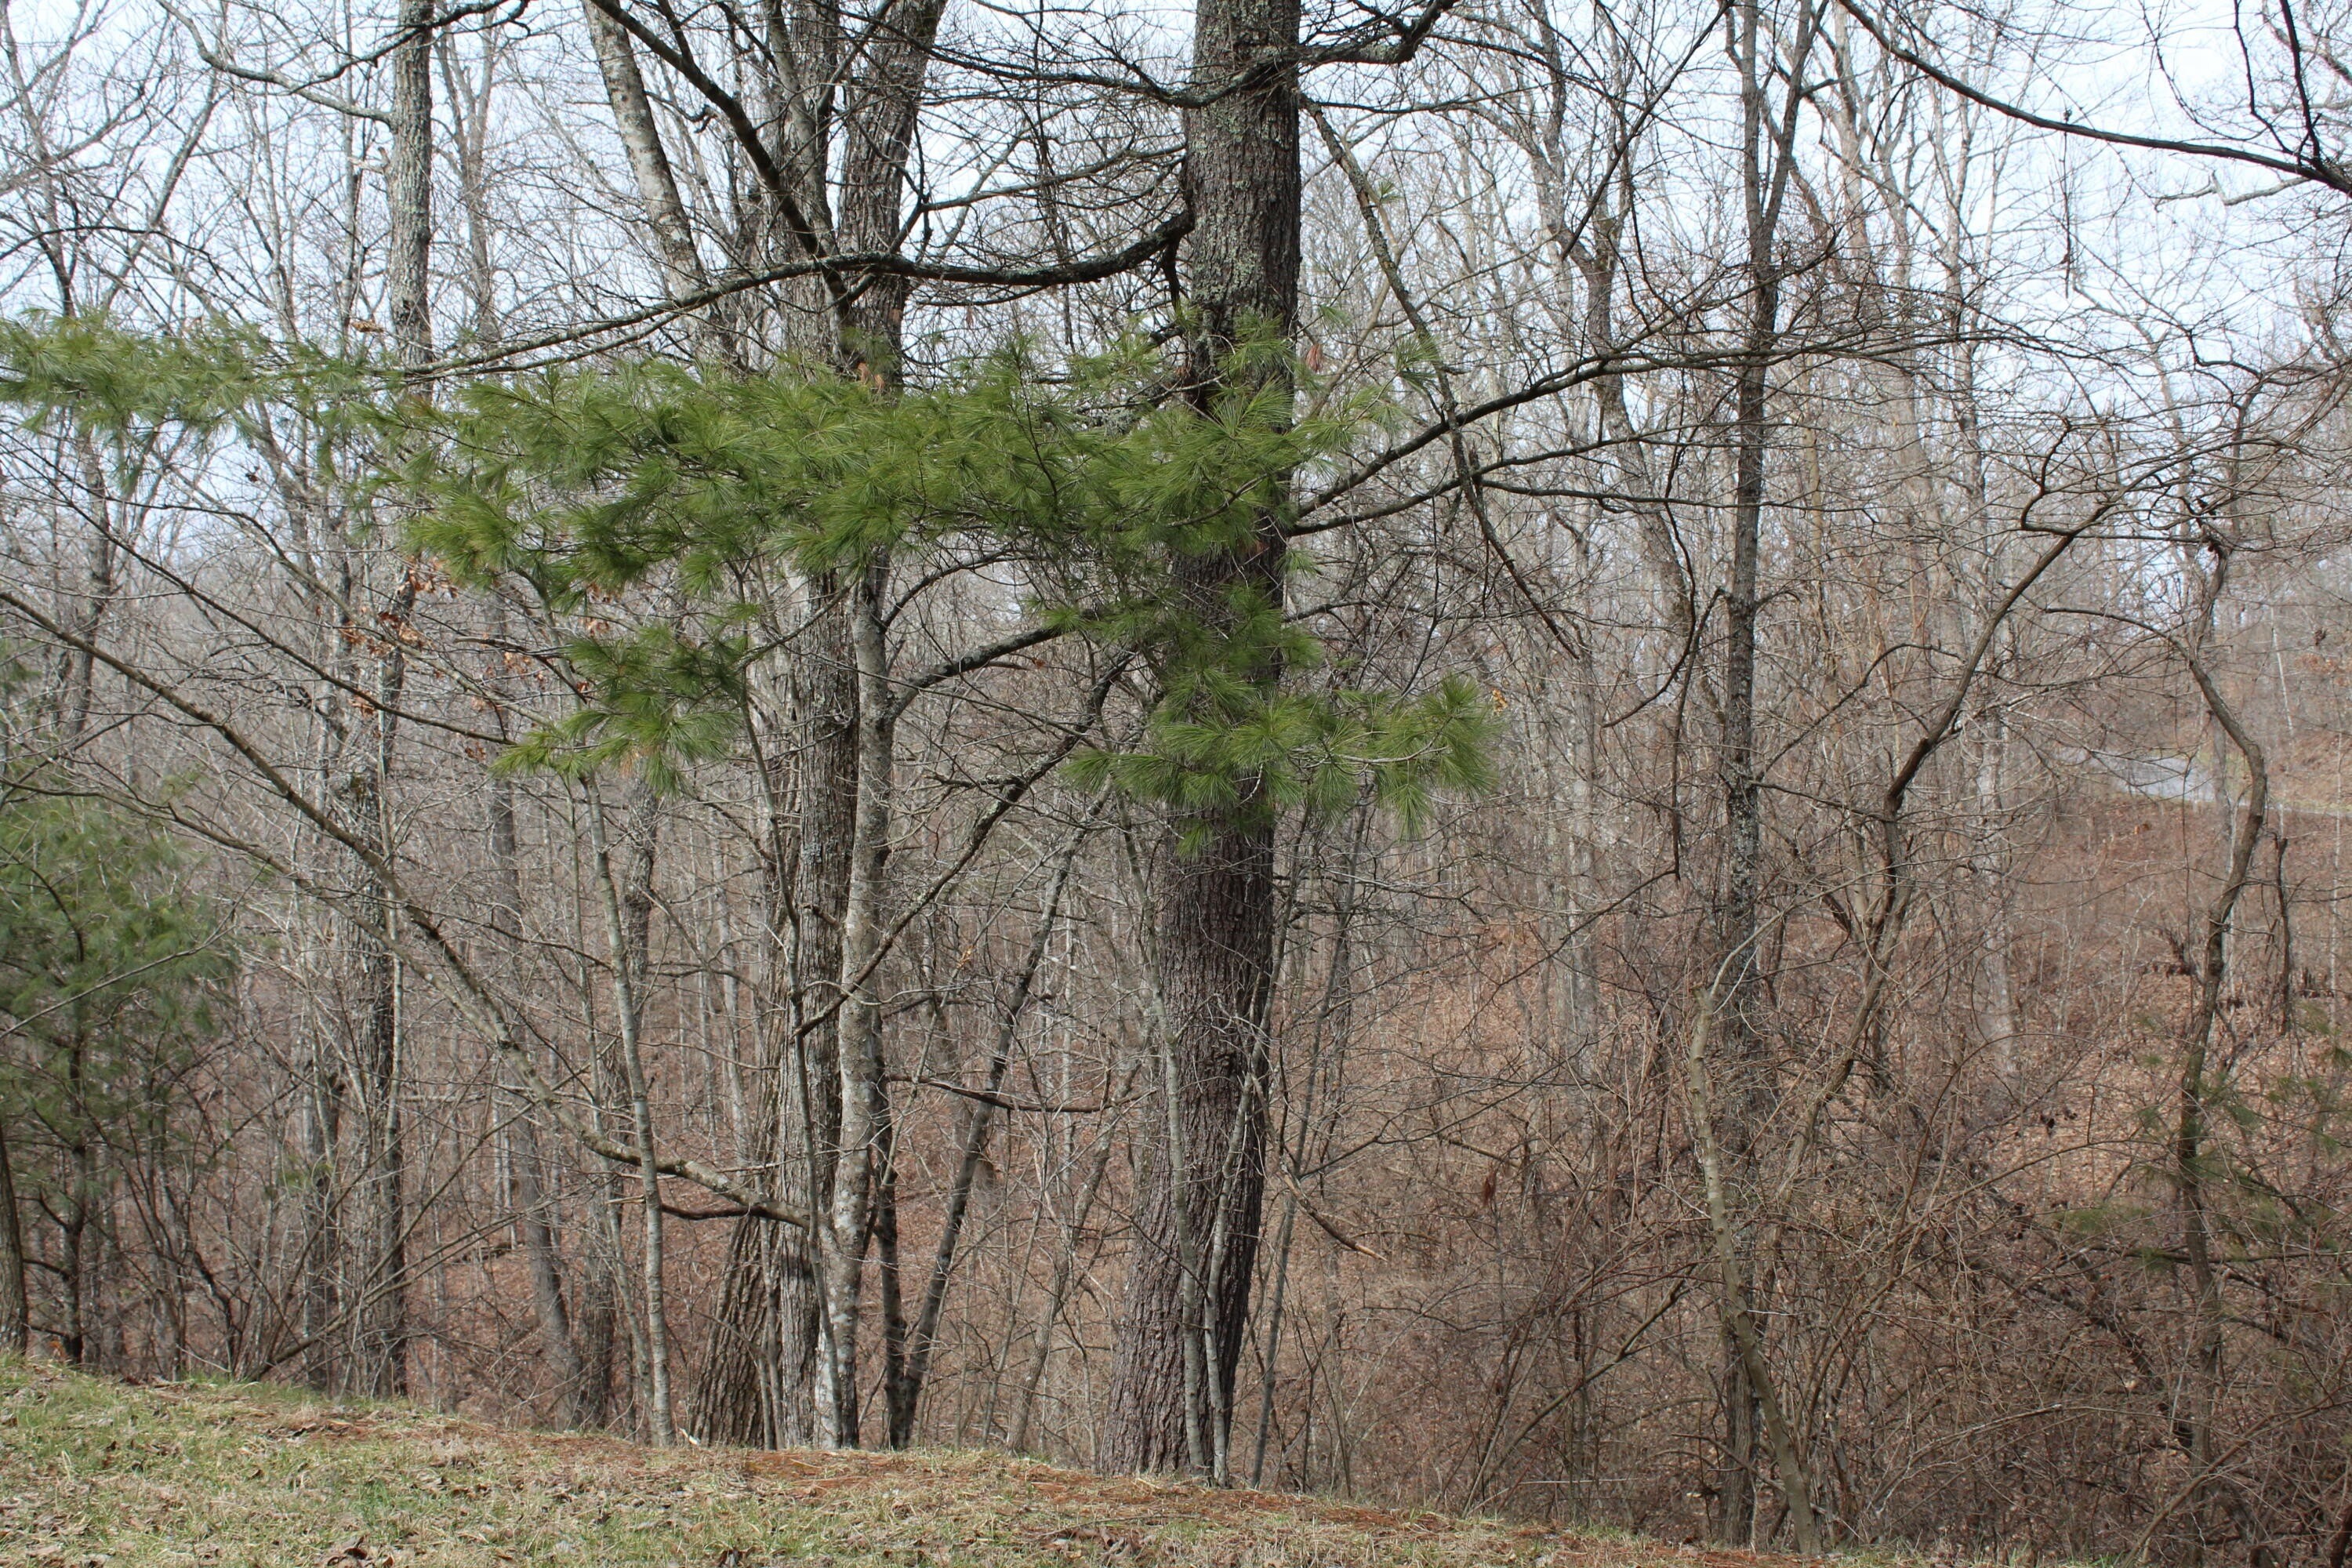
(95,1472)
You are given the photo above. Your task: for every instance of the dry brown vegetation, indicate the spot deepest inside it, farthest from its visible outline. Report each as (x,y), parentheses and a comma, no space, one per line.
(1854,1060)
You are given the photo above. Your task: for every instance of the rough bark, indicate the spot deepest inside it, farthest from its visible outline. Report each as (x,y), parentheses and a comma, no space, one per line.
(15,1321)
(319,1096)
(408,185)
(1178,1339)
(626,908)
(1734,1032)
(759,1386)
(774,1337)
(2203,1374)
(380,1349)
(86,609)
(596,1324)
(811,1103)
(863,1097)
(878,132)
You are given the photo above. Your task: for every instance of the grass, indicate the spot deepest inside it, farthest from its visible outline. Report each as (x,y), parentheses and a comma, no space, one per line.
(95,1473)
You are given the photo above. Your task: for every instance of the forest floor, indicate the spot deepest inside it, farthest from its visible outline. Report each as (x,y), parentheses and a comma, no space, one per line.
(96,1472)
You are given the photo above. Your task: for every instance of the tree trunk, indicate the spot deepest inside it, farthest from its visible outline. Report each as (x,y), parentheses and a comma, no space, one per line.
(1748,1069)
(755,1385)
(656,182)
(626,933)
(1749,1091)
(2202,1376)
(878,132)
(760,1385)
(810,1127)
(533,1215)
(320,1130)
(85,611)
(15,1324)
(1178,1339)
(772,1342)
(863,1093)
(596,1325)
(408,185)
(380,1349)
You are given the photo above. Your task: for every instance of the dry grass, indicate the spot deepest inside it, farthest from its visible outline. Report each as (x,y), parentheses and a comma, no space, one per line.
(94,1472)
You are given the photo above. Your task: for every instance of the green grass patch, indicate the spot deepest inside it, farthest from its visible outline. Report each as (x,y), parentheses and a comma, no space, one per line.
(96,1474)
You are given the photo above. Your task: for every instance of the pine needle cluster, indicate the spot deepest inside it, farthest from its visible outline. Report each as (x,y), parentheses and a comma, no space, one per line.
(589,483)
(1104,483)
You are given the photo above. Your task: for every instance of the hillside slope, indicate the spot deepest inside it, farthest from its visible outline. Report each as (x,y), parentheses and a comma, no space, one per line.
(94,1472)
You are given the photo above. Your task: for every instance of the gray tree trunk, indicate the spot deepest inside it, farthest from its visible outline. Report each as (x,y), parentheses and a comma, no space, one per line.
(1177,1340)
(1743,1105)
(379,1348)
(784,1362)
(633,116)
(16,1325)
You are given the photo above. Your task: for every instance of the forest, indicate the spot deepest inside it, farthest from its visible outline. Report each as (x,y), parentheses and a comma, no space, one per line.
(1582,760)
